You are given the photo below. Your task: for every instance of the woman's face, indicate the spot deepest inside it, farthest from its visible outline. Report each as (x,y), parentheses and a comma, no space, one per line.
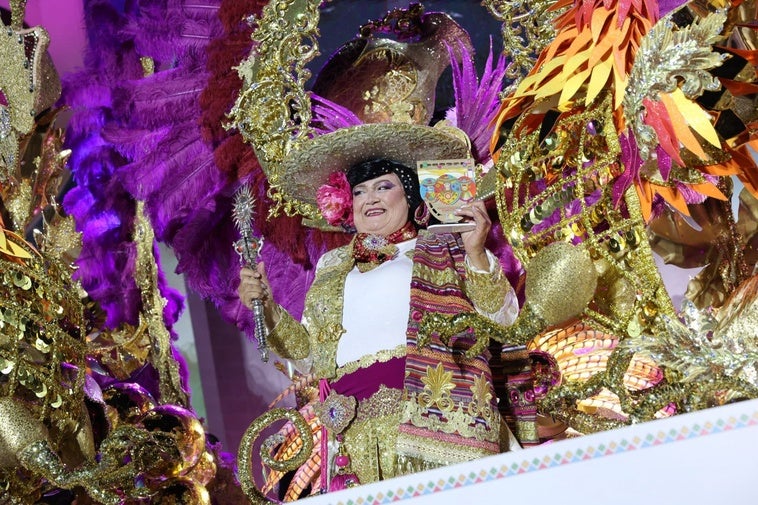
(379,205)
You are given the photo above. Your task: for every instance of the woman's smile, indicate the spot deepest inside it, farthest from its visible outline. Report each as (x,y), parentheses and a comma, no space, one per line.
(379,205)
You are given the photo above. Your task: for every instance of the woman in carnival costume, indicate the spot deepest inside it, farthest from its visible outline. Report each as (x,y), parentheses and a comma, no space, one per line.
(394,406)
(392,403)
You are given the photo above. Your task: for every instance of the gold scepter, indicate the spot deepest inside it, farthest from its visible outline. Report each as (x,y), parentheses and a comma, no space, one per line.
(248,246)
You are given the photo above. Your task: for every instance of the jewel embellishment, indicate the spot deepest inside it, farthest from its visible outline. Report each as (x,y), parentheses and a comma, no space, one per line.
(336,412)
(375,242)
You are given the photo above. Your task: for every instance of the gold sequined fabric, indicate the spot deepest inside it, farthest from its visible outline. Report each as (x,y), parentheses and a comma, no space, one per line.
(371,443)
(288,338)
(371,437)
(42,349)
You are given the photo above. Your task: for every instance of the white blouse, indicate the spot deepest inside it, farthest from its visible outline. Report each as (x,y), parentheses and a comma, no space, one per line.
(376,305)
(377,302)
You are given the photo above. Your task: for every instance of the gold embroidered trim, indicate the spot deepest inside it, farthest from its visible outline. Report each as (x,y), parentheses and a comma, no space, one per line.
(323,309)
(407,465)
(384,402)
(382,356)
(486,290)
(526,431)
(480,404)
(420,453)
(437,386)
(458,420)
(289,339)
(438,277)
(331,332)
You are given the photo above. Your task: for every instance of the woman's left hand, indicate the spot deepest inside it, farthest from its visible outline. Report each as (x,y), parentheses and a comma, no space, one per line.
(473,241)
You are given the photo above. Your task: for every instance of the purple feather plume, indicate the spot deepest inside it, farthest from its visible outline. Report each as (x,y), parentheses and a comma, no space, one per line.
(329,116)
(103,210)
(476,101)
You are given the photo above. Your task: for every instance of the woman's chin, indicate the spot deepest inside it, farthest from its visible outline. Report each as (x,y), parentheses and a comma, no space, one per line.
(378,225)
(372,225)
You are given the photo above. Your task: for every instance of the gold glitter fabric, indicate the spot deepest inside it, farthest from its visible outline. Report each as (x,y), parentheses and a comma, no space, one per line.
(19,429)
(488,291)
(30,84)
(371,439)
(288,338)
(554,294)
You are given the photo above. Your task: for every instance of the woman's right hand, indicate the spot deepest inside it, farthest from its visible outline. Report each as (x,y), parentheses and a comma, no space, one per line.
(254,286)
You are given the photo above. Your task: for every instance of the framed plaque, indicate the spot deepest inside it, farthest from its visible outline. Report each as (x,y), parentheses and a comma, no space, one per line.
(447,185)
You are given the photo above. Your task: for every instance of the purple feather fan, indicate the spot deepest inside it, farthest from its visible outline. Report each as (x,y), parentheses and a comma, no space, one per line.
(116,129)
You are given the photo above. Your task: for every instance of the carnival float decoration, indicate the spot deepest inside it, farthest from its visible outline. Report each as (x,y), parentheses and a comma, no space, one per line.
(603,134)
(605,131)
(90,412)
(606,134)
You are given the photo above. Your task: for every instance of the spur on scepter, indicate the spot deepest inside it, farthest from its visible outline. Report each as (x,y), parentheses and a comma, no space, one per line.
(248,246)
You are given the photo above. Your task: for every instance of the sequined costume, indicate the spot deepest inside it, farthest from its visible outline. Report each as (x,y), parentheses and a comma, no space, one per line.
(357,331)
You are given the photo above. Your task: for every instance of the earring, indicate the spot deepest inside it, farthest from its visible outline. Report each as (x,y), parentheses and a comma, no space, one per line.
(422,215)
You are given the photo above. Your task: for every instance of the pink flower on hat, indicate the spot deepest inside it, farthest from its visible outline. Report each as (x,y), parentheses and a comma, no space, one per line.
(335,200)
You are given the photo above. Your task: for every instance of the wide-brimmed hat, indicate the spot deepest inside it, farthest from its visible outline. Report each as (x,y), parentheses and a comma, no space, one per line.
(307,167)
(394,66)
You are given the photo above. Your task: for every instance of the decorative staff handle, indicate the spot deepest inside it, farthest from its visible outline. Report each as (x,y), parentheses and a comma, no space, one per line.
(248,247)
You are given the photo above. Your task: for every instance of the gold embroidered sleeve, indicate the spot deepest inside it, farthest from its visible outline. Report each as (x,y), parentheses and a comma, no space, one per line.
(289,339)
(490,292)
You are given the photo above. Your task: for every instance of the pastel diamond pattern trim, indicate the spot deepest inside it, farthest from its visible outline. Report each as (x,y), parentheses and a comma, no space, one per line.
(660,437)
